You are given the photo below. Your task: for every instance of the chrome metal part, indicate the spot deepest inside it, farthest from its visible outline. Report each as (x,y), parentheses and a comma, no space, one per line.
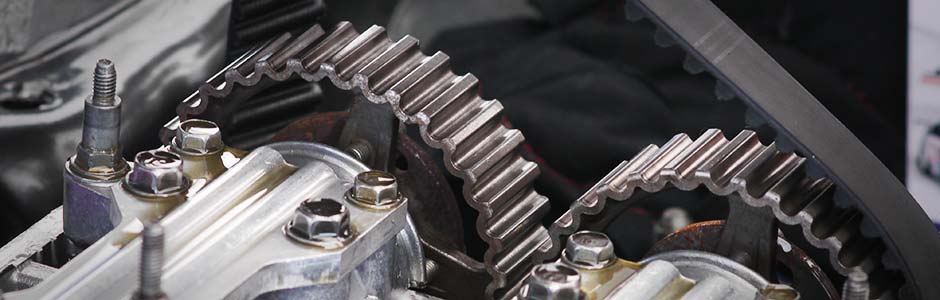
(98,156)
(713,275)
(759,175)
(552,281)
(589,249)
(198,137)
(321,222)
(157,174)
(856,286)
(227,239)
(421,90)
(151,264)
(376,189)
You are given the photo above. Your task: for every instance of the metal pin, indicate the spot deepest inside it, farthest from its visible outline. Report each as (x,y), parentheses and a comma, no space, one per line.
(151,264)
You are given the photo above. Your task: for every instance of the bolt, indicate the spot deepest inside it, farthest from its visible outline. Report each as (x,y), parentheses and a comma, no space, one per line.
(552,281)
(322,222)
(198,137)
(589,249)
(856,286)
(105,83)
(360,150)
(430,269)
(99,154)
(151,264)
(375,189)
(157,173)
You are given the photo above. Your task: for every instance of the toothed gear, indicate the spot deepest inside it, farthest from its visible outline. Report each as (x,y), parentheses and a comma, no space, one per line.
(760,175)
(421,90)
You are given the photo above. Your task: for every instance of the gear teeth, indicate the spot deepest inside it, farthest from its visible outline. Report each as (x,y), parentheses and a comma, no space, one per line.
(448,110)
(423,84)
(298,45)
(390,67)
(336,40)
(761,175)
(360,51)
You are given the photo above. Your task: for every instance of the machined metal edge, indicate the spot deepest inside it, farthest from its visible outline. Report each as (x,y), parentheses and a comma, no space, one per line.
(422,90)
(760,175)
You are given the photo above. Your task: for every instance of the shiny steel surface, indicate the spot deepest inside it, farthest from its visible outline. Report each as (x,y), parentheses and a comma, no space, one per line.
(421,89)
(758,175)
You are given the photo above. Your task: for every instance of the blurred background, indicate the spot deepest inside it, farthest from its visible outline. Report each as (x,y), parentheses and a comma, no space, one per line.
(588,88)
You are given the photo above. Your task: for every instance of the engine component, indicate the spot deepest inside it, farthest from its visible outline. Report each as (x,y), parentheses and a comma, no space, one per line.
(196,219)
(681,274)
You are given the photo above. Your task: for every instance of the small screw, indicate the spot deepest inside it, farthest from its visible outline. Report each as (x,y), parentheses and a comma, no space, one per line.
(360,150)
(552,281)
(151,264)
(589,249)
(198,137)
(322,222)
(376,189)
(856,286)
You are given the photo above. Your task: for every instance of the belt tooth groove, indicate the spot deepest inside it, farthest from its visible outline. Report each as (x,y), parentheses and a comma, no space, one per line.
(389,67)
(620,180)
(733,158)
(460,122)
(424,82)
(524,213)
(479,155)
(697,154)
(498,185)
(766,175)
(668,153)
(464,88)
(515,259)
(265,53)
(360,51)
(303,41)
(336,40)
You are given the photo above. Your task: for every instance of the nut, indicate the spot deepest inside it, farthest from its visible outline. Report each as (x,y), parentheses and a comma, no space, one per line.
(321,222)
(552,281)
(198,137)
(375,189)
(157,173)
(589,249)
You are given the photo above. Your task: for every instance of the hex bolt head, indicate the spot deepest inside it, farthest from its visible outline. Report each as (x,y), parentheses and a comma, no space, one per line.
(157,173)
(320,222)
(375,189)
(552,281)
(198,137)
(589,249)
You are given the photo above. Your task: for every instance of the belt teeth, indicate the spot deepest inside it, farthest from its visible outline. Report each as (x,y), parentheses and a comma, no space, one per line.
(512,222)
(360,51)
(462,122)
(761,175)
(296,46)
(461,89)
(669,152)
(515,260)
(336,40)
(731,160)
(500,184)
(696,155)
(483,152)
(390,67)
(424,83)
